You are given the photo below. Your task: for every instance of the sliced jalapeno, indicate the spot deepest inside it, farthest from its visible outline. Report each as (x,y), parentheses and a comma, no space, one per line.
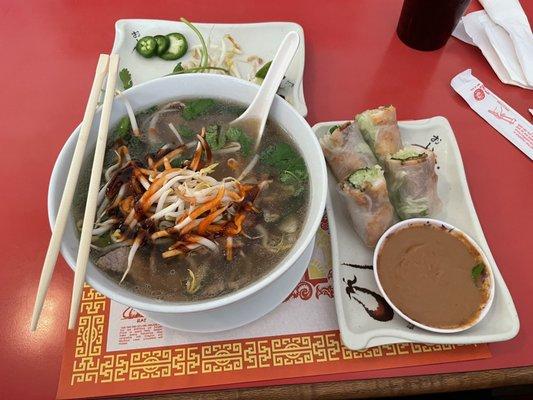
(178,47)
(146,46)
(163,44)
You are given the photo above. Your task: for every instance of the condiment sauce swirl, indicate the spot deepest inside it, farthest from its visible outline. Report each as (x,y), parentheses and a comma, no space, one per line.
(426,271)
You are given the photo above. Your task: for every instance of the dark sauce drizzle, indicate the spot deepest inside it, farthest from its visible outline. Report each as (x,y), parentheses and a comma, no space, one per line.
(383,312)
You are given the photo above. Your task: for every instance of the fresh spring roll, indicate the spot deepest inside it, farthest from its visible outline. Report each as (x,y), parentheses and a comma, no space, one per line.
(380,130)
(367,200)
(413,182)
(346,150)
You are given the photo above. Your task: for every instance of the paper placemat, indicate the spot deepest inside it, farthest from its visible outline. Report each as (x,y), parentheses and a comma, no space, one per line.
(114,350)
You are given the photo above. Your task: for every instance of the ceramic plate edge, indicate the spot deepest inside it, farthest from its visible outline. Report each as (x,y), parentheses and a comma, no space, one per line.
(376,334)
(300,105)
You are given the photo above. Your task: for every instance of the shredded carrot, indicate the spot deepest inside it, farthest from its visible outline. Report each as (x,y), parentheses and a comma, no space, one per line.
(189,227)
(214,228)
(229,248)
(169,156)
(205,145)
(192,238)
(209,205)
(167,163)
(235,196)
(195,162)
(176,245)
(159,234)
(202,228)
(236,226)
(126,205)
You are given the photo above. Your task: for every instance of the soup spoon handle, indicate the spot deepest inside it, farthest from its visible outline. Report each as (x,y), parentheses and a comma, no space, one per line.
(253,120)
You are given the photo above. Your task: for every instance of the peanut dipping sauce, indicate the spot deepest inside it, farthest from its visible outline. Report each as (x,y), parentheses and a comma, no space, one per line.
(426,271)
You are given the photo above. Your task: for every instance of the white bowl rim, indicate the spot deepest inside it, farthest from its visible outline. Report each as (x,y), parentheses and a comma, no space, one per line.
(435,222)
(208,304)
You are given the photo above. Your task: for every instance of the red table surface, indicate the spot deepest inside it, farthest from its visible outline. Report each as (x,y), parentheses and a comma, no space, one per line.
(353,61)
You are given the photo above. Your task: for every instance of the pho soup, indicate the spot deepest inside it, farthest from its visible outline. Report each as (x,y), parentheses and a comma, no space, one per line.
(187,210)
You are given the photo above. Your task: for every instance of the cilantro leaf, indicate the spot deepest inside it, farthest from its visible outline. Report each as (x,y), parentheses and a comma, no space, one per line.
(136,147)
(123,128)
(196,108)
(237,135)
(289,164)
(125,77)
(186,132)
(178,68)
(215,138)
(177,162)
(477,271)
(283,157)
(294,179)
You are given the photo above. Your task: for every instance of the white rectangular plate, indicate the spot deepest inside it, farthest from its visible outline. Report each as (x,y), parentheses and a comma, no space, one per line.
(355,288)
(260,39)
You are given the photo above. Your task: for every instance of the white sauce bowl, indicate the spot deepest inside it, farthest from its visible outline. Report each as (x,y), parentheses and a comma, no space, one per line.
(437,223)
(239,307)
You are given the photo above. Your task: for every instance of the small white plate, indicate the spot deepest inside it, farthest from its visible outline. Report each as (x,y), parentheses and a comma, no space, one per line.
(261,39)
(357,297)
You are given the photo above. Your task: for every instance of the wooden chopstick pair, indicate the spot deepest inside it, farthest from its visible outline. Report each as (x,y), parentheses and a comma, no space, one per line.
(107,66)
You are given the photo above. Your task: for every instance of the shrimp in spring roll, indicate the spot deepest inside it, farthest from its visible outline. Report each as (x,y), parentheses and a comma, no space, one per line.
(380,130)
(346,150)
(413,182)
(367,200)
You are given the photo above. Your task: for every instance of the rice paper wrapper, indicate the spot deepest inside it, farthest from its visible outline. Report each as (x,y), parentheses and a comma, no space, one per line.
(413,185)
(370,211)
(346,151)
(380,130)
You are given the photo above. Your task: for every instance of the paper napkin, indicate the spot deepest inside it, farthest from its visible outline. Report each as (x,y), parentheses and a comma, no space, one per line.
(511,17)
(503,34)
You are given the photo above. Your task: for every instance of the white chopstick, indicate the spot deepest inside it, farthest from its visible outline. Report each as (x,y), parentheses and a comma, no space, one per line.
(68,192)
(92,194)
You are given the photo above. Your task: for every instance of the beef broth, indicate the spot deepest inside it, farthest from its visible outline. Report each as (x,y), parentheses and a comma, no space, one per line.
(274,206)
(433,275)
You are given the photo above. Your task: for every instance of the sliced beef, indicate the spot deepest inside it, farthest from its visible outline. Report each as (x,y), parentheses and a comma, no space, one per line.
(116,260)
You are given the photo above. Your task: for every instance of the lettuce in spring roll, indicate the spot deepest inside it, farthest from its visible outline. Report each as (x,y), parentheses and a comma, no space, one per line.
(413,182)
(367,200)
(380,130)
(346,150)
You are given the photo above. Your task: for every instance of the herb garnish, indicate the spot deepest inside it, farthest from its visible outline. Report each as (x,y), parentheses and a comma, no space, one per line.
(261,74)
(290,165)
(477,271)
(125,77)
(196,108)
(333,128)
(214,137)
(237,135)
(186,132)
(178,68)
(123,128)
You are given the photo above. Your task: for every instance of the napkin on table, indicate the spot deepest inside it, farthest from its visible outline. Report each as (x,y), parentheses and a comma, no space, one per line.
(503,34)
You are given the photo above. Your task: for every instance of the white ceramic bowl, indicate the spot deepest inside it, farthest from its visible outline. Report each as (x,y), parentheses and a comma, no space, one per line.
(245,305)
(421,221)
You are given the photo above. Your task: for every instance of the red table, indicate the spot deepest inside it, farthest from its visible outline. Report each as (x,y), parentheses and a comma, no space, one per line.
(354,61)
